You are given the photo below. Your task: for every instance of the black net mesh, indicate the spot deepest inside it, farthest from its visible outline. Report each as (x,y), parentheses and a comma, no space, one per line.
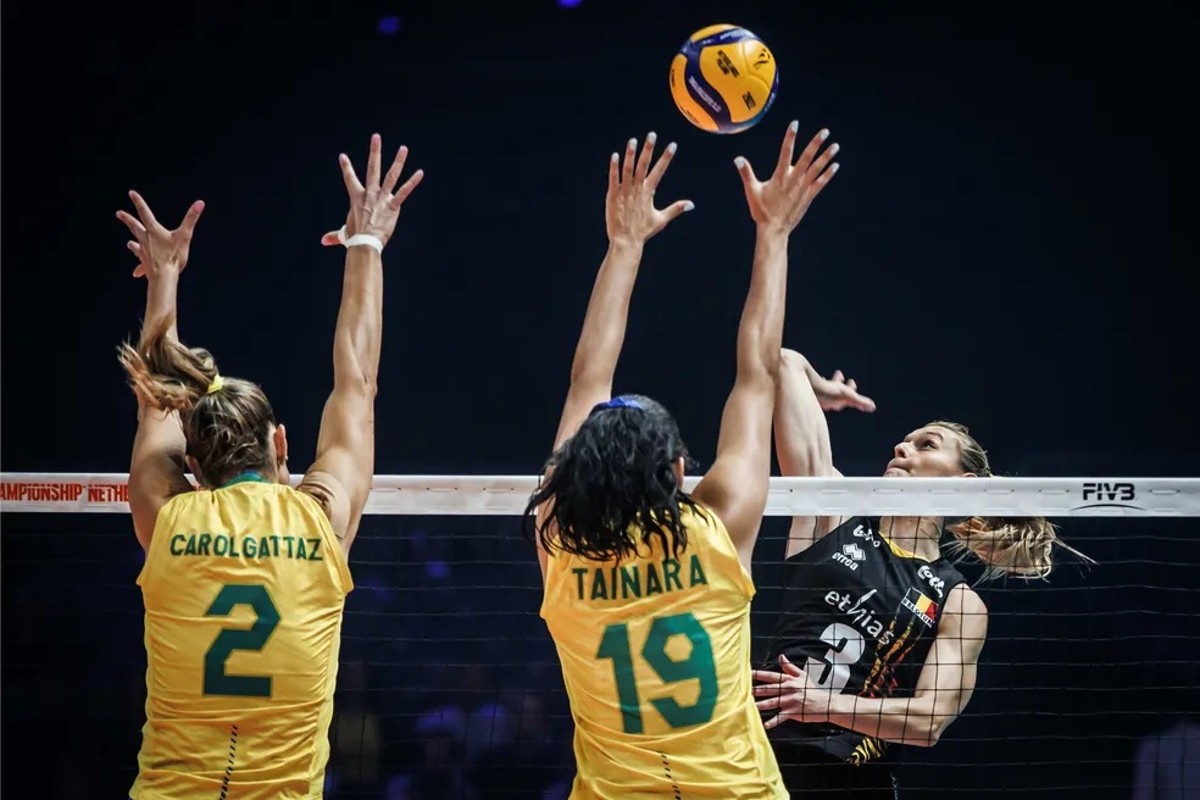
(449,684)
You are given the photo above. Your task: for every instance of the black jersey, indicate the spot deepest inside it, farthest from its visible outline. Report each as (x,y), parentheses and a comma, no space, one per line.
(860,616)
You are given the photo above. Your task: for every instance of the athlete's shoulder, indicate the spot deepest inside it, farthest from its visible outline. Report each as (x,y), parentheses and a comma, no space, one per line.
(702,523)
(705,526)
(964,615)
(963,599)
(328,495)
(943,573)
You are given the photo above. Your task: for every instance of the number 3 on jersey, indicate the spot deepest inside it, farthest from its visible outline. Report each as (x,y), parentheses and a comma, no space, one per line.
(697,666)
(216,680)
(845,649)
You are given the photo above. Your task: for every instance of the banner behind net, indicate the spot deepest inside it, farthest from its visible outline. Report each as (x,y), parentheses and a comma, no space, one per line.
(449,679)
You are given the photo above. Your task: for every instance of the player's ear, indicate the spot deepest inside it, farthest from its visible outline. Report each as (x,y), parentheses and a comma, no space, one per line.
(679,471)
(279,435)
(279,438)
(194,467)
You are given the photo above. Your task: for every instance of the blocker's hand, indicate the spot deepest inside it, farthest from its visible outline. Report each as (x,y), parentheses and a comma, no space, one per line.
(629,212)
(375,205)
(158,249)
(781,202)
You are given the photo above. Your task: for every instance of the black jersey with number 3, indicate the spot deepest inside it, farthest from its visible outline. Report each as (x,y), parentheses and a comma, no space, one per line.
(859,615)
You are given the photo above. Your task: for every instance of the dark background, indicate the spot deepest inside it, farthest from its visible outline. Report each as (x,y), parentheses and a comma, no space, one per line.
(1004,245)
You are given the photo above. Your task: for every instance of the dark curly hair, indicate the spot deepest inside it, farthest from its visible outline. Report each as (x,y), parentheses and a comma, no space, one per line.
(613,484)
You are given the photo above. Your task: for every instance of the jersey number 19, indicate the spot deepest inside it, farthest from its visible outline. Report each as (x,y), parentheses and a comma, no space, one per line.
(697,666)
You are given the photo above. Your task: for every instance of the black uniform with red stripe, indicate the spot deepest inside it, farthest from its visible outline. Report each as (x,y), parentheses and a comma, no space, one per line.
(860,616)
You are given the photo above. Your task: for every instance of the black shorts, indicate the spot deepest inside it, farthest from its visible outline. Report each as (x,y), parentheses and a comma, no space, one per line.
(812,773)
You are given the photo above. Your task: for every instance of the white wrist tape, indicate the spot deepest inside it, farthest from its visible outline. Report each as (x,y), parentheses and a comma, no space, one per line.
(365,238)
(339,237)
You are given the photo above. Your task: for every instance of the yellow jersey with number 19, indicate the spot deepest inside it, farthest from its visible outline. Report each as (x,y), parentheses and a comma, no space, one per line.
(244,588)
(655,654)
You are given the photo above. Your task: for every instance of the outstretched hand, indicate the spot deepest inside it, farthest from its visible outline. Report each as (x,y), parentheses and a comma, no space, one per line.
(629,211)
(781,202)
(836,393)
(375,206)
(157,248)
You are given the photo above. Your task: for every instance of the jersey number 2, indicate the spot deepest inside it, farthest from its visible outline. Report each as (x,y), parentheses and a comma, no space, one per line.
(697,666)
(845,649)
(216,680)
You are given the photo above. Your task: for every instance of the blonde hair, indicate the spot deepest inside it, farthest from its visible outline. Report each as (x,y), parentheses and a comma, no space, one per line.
(1022,547)
(226,421)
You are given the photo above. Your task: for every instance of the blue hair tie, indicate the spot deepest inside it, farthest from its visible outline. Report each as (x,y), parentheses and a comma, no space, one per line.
(619,402)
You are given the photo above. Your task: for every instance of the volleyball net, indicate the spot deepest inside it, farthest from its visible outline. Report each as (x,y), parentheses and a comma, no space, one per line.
(449,679)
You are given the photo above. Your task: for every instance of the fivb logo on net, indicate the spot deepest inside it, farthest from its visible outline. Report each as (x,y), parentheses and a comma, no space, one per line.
(1104,494)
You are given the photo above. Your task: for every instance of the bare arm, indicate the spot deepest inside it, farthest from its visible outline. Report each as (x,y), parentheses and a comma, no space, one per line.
(802,444)
(602,336)
(340,476)
(157,466)
(943,689)
(631,220)
(802,433)
(736,485)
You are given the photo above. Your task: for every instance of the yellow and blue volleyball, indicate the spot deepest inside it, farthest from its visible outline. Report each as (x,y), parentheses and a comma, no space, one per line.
(724,79)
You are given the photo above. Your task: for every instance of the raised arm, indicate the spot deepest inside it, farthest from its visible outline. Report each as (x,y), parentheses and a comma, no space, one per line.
(802,433)
(631,220)
(156,468)
(340,477)
(944,686)
(736,485)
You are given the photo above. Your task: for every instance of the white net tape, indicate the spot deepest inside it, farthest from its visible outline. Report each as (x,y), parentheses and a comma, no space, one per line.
(496,495)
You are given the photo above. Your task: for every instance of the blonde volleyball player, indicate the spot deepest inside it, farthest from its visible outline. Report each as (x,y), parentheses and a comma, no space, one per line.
(879,636)
(244,580)
(647,589)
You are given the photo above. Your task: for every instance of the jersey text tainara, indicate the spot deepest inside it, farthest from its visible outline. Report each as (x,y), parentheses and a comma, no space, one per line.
(630,581)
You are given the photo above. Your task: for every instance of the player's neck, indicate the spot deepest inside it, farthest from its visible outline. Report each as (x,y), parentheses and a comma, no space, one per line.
(918,535)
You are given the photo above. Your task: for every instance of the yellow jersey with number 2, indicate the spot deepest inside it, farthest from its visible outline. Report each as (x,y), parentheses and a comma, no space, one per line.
(655,654)
(244,588)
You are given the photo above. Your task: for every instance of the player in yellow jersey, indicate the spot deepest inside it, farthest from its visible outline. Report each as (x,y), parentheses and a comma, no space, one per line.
(245,580)
(647,589)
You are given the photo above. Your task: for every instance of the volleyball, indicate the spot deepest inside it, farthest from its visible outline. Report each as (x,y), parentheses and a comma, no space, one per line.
(724,79)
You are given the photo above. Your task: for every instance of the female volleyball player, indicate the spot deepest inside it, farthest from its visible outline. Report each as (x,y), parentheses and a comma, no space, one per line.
(879,637)
(646,588)
(245,580)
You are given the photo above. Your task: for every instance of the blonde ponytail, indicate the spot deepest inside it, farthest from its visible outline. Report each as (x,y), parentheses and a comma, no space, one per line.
(226,421)
(1022,547)
(165,374)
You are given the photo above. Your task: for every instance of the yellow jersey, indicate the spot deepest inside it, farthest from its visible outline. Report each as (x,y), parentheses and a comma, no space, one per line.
(655,654)
(244,588)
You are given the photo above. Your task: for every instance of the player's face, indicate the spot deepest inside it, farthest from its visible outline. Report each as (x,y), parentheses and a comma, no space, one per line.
(930,452)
